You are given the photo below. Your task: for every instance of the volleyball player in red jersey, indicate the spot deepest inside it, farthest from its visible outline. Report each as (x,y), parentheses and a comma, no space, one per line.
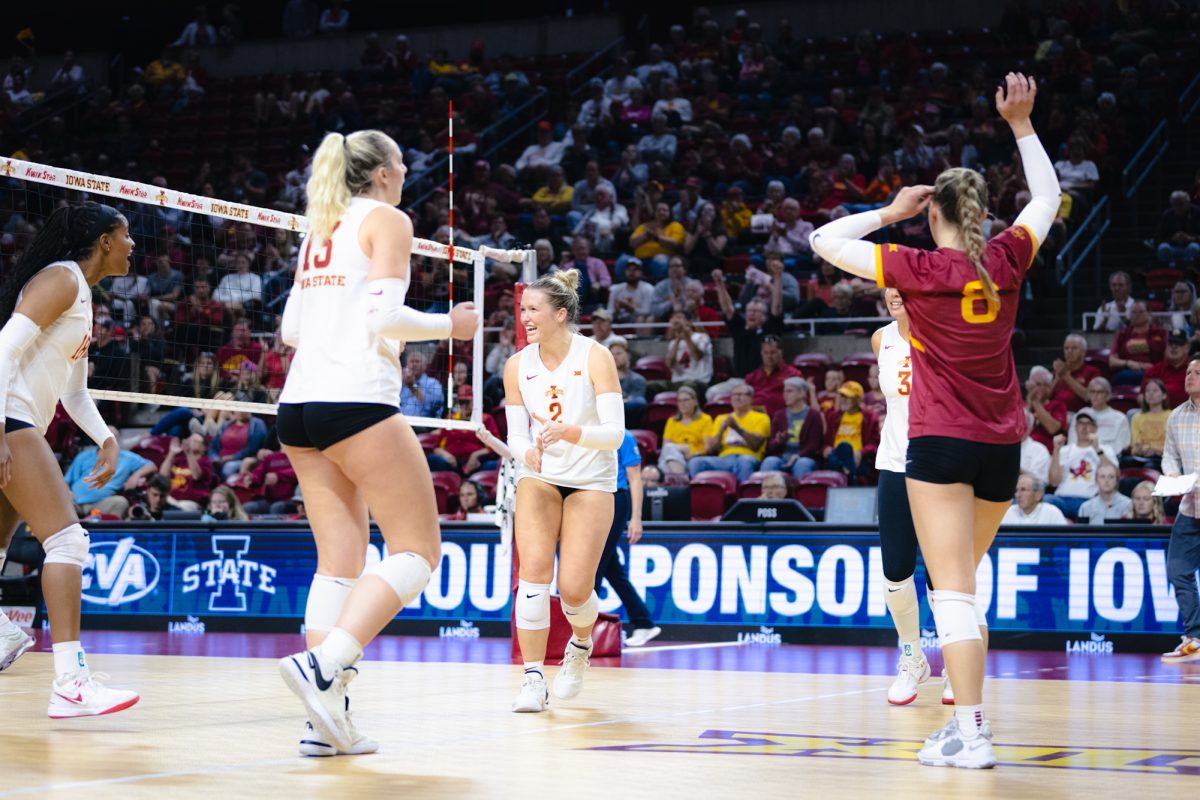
(966,418)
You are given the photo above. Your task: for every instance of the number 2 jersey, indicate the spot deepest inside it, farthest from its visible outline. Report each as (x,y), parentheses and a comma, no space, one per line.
(895,381)
(45,368)
(339,359)
(964,379)
(565,394)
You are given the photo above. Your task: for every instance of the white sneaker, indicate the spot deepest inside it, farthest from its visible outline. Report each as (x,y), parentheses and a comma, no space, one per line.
(569,679)
(85,696)
(640,636)
(910,674)
(948,748)
(322,689)
(13,644)
(947,689)
(533,696)
(311,744)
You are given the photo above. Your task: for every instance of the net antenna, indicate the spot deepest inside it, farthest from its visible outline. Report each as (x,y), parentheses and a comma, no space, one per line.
(131,194)
(450,344)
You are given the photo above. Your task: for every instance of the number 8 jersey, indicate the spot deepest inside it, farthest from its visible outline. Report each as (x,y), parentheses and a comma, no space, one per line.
(339,359)
(565,395)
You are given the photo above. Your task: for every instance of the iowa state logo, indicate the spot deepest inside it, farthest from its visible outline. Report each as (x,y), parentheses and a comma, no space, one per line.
(554,392)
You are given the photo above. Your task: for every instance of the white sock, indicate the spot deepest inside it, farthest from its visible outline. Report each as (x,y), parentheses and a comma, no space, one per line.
(582,644)
(535,666)
(69,659)
(905,608)
(970,720)
(340,648)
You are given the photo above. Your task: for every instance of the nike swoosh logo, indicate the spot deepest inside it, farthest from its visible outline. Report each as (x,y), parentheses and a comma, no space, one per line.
(531,595)
(322,682)
(530,377)
(78,698)
(893,590)
(376,293)
(888,346)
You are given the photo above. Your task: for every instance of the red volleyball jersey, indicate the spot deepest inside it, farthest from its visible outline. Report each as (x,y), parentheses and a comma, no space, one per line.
(965,381)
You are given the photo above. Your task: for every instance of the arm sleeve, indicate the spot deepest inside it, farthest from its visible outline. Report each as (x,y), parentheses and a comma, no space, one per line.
(1039,214)
(388,316)
(289,326)
(16,336)
(611,430)
(839,243)
(518,431)
(80,406)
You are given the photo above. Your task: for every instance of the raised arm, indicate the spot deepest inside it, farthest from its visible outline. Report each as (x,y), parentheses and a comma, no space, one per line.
(1014,101)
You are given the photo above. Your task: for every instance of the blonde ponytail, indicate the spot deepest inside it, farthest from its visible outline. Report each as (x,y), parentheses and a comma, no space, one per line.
(562,290)
(961,195)
(342,167)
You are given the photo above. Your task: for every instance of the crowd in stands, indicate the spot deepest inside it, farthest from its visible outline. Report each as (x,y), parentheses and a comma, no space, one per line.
(682,181)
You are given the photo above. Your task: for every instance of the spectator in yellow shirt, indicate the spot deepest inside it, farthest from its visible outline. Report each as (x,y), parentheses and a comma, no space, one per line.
(556,195)
(654,242)
(735,214)
(739,439)
(685,434)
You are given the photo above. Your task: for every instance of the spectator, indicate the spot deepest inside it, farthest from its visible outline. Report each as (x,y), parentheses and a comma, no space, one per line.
(1076,174)
(1107,503)
(70,75)
(602,331)
(1035,458)
(1173,368)
(421,396)
(885,183)
(655,241)
(335,19)
(841,307)
(108,359)
(735,214)
(273,367)
(1178,235)
(1116,312)
(706,241)
(1112,426)
(685,433)
(542,154)
(238,438)
(739,439)
(130,294)
(851,434)
(827,398)
(199,322)
(691,203)
(502,350)
(652,477)
(1137,346)
(659,144)
(556,195)
(198,32)
(462,451)
(789,234)
(151,351)
(1072,374)
(131,473)
(241,290)
(471,499)
(1073,466)
(670,294)
(596,108)
(1050,415)
(774,486)
(677,110)
(164,288)
(633,385)
(797,432)
(583,196)
(1183,297)
(224,505)
(498,236)
(1028,509)
(155,499)
(246,387)
(1148,428)
(750,327)
(759,284)
(240,347)
(618,87)
(190,471)
(164,74)
(769,378)
(631,173)
(606,223)
(656,61)
(206,378)
(689,354)
(594,278)
(633,300)
(1144,507)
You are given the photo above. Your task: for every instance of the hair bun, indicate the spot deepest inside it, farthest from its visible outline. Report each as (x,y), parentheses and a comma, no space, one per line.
(568,278)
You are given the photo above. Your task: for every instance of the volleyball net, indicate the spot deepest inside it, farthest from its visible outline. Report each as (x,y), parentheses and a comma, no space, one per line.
(195,322)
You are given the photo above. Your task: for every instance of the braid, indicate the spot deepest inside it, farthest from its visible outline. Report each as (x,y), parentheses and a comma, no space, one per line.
(961,195)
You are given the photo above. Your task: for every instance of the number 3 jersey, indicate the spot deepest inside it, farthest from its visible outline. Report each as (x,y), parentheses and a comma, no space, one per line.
(45,368)
(339,359)
(895,381)
(964,379)
(566,395)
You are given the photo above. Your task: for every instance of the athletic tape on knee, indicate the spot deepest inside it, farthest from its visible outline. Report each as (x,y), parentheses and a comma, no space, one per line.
(532,606)
(407,574)
(954,615)
(68,546)
(583,616)
(326,596)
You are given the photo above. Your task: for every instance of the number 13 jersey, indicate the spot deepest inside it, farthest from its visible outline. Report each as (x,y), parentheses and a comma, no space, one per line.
(339,359)
(895,381)
(565,395)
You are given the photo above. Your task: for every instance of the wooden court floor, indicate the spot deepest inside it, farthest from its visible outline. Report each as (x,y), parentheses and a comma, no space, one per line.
(227,728)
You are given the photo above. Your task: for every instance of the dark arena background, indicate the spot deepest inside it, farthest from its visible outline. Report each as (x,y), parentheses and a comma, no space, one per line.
(678,157)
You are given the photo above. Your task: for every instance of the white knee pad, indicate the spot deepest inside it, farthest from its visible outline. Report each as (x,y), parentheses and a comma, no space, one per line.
(954,615)
(326,596)
(407,574)
(532,606)
(68,546)
(583,616)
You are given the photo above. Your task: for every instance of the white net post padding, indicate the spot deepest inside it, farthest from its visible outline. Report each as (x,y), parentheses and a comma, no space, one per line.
(133,192)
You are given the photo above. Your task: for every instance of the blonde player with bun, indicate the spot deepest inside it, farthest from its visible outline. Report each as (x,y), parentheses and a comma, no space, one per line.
(339,422)
(566,420)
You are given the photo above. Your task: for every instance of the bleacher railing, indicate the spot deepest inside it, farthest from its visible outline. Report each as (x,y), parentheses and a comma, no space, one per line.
(1088,320)
(1084,242)
(1145,159)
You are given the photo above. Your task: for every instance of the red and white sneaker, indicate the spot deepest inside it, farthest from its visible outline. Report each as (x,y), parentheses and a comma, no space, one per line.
(13,644)
(1188,650)
(947,689)
(86,696)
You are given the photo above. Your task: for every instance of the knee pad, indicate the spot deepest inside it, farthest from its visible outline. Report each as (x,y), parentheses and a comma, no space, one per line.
(901,597)
(954,615)
(583,616)
(68,546)
(407,574)
(532,606)
(326,596)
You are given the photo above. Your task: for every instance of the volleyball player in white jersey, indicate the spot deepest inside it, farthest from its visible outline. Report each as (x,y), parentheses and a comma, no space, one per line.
(339,422)
(566,420)
(46,308)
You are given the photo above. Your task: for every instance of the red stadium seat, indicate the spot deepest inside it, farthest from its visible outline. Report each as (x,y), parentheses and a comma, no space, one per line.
(647,445)
(753,485)
(653,368)
(712,493)
(813,487)
(1099,360)
(487,480)
(720,404)
(430,441)
(813,366)
(445,488)
(1163,278)
(1132,476)
(857,365)
(1125,398)
(153,448)
(675,479)
(661,409)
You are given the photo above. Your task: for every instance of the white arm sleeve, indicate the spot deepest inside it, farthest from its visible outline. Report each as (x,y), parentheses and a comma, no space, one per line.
(81,407)
(610,407)
(289,326)
(388,316)
(16,336)
(838,242)
(518,431)
(1039,215)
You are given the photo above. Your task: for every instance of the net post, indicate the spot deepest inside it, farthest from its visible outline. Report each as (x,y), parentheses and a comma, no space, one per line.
(528,274)
(477,362)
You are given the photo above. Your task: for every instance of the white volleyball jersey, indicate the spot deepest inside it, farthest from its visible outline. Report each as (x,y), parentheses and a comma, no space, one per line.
(565,394)
(46,365)
(339,359)
(895,381)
